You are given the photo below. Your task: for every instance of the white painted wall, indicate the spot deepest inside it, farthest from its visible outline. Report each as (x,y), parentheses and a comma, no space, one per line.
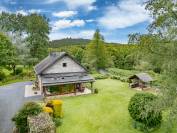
(72,66)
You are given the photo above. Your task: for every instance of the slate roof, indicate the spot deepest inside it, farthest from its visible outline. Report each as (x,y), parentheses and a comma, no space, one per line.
(143,77)
(58,80)
(51,59)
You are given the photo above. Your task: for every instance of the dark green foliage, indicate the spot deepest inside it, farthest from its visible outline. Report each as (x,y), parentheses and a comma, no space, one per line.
(123,56)
(18,70)
(141,109)
(52,89)
(2,75)
(157,70)
(96,56)
(120,56)
(20,118)
(96,91)
(57,121)
(68,41)
(37,28)
(115,77)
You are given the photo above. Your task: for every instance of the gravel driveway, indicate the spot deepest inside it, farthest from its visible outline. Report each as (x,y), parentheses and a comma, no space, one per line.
(11,99)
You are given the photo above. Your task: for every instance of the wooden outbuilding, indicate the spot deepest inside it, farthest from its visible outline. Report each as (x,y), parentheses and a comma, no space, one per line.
(59,73)
(141,80)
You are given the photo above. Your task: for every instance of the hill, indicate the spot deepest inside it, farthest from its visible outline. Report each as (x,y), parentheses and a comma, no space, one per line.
(69,41)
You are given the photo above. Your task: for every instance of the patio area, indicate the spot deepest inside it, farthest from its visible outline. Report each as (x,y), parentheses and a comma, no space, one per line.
(85,92)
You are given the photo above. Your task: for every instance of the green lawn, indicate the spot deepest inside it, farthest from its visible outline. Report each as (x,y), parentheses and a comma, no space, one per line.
(105,112)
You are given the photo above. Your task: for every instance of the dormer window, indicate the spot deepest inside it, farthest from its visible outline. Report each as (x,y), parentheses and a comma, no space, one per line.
(64,64)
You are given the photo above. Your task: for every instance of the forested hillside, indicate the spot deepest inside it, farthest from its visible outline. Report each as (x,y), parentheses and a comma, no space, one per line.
(72,41)
(68,41)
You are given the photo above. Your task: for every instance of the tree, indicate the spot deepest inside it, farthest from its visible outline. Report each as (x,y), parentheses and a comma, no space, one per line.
(162,47)
(32,30)
(133,38)
(96,55)
(37,28)
(8,53)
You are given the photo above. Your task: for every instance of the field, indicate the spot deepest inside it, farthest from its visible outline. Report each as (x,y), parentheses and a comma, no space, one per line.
(105,112)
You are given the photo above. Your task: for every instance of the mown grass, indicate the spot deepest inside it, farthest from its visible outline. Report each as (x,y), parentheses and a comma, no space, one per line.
(105,112)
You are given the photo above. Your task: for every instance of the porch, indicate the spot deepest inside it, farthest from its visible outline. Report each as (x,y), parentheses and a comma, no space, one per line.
(73,89)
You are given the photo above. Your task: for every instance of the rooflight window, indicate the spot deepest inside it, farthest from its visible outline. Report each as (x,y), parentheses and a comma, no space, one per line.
(64,64)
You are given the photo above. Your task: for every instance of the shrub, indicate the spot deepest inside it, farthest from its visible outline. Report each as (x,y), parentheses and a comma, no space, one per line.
(18,71)
(142,110)
(20,118)
(115,77)
(57,121)
(2,75)
(123,79)
(96,91)
(157,70)
(57,107)
(100,76)
(48,110)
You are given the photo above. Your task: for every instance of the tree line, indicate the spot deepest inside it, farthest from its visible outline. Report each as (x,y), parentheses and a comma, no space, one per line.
(23,39)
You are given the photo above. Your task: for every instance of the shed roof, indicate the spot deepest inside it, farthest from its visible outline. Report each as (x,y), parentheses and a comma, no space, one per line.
(50,60)
(143,77)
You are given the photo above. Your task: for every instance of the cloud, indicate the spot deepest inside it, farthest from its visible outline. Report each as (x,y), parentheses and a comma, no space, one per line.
(35,11)
(86,34)
(23,12)
(91,8)
(27,12)
(65,23)
(3,9)
(124,14)
(73,4)
(89,20)
(64,14)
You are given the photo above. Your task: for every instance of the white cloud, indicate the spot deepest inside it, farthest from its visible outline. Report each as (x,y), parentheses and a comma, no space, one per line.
(64,14)
(65,23)
(86,34)
(23,12)
(126,13)
(34,11)
(3,9)
(27,12)
(73,4)
(89,20)
(91,8)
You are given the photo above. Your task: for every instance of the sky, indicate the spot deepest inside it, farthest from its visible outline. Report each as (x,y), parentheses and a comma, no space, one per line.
(116,19)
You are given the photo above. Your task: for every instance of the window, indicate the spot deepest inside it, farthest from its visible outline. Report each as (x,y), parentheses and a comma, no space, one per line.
(64,64)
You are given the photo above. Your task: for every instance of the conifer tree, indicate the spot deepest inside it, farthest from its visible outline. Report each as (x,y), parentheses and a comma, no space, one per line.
(96,55)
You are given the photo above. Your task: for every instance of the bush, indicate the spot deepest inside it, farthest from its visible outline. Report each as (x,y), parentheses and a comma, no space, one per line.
(2,75)
(20,118)
(115,77)
(123,79)
(48,110)
(142,110)
(18,71)
(57,107)
(157,70)
(57,121)
(96,91)
(100,76)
